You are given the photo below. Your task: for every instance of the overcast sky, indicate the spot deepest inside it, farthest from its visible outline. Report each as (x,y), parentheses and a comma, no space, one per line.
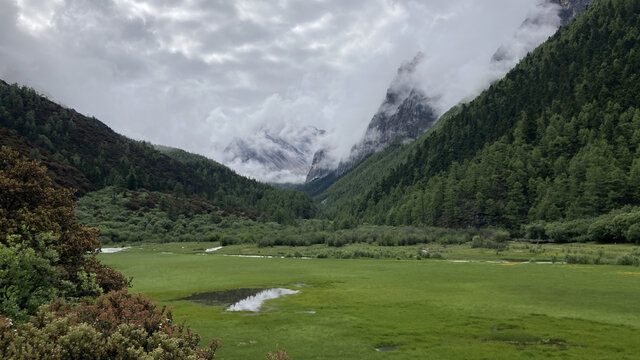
(195,74)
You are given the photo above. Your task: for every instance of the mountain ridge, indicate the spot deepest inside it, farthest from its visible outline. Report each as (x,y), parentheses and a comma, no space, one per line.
(101,157)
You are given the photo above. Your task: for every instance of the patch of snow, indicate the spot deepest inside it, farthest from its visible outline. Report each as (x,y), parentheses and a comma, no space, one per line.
(114,250)
(213,249)
(253,303)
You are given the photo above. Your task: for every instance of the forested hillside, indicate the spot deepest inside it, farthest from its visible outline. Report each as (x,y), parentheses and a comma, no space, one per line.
(556,139)
(84,153)
(338,195)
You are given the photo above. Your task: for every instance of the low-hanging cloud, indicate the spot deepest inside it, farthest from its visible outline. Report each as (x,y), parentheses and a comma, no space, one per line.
(198,74)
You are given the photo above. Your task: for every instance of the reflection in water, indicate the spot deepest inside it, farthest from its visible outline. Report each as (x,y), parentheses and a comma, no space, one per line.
(254,302)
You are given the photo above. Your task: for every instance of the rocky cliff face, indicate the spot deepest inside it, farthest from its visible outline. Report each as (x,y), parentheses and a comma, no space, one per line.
(571,8)
(404,115)
(548,16)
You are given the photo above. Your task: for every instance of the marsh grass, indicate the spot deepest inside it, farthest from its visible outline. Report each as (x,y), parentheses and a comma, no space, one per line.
(428,309)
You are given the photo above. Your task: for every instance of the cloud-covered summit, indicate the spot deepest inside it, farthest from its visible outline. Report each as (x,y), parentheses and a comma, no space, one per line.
(197,74)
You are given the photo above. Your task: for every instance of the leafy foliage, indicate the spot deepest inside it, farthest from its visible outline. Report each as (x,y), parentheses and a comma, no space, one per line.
(44,251)
(45,254)
(27,280)
(116,326)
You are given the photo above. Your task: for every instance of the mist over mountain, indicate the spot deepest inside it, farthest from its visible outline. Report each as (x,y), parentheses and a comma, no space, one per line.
(284,160)
(420,94)
(403,116)
(571,8)
(179,81)
(550,15)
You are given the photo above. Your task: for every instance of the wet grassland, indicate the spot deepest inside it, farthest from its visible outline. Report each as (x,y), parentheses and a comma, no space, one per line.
(465,303)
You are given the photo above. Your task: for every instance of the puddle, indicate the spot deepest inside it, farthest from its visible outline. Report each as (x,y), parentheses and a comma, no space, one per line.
(213,249)
(256,256)
(254,302)
(246,299)
(223,297)
(114,249)
(267,257)
(504,262)
(386,348)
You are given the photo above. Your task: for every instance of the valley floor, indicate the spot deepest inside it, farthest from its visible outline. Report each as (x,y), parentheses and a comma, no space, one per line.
(487,308)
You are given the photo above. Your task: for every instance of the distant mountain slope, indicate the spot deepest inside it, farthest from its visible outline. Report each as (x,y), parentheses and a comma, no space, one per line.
(105,158)
(556,138)
(279,159)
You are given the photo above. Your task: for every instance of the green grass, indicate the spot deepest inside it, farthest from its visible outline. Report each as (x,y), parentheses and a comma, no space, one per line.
(429,309)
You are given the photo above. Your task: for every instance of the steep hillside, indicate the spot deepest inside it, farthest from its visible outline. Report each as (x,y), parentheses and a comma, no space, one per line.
(557,138)
(67,140)
(337,195)
(407,113)
(62,174)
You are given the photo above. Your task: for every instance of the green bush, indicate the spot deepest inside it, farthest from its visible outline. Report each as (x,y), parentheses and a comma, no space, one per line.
(501,236)
(628,259)
(568,231)
(633,233)
(536,230)
(117,326)
(27,280)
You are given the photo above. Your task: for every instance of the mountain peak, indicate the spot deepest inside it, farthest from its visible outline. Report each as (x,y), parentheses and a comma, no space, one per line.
(404,115)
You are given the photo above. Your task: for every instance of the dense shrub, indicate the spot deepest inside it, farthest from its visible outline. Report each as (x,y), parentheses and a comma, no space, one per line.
(27,280)
(628,259)
(44,251)
(116,326)
(569,231)
(633,233)
(536,230)
(618,226)
(495,243)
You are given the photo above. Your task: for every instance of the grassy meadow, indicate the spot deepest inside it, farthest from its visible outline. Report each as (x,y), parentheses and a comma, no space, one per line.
(423,309)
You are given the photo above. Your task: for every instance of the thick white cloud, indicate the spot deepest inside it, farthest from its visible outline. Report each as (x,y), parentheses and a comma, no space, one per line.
(195,73)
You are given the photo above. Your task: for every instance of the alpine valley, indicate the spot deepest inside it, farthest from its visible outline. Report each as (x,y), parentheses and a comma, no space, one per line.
(506,226)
